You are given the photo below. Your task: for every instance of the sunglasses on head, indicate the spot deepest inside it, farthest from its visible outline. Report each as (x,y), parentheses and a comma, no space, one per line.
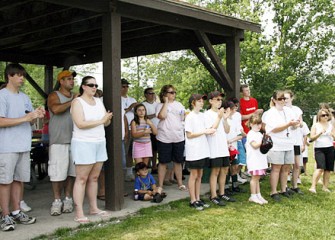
(92,85)
(172,92)
(281,98)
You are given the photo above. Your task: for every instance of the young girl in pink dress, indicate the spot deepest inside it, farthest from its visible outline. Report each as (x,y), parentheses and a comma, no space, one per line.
(256,161)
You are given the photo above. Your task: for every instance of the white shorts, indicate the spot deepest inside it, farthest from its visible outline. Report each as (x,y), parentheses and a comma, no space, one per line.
(281,157)
(84,153)
(14,166)
(60,162)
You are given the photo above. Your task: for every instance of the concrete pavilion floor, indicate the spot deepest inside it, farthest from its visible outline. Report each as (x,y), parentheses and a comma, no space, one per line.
(41,197)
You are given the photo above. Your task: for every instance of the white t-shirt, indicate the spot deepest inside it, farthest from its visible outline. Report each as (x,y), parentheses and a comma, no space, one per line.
(122,123)
(235,123)
(325,140)
(282,141)
(218,146)
(125,103)
(295,133)
(171,129)
(196,148)
(151,109)
(301,133)
(255,159)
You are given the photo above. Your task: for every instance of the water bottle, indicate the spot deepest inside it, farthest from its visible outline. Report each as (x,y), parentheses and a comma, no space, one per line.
(136,194)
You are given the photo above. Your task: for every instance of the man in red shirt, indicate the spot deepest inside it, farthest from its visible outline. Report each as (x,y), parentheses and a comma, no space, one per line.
(248,106)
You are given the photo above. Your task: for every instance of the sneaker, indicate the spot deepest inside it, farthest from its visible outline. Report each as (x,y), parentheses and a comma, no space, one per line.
(262,199)
(24,207)
(290,191)
(299,181)
(229,192)
(227,198)
(217,201)
(241,180)
(275,197)
(67,205)
(238,190)
(197,206)
(56,208)
(23,218)
(245,175)
(7,223)
(203,203)
(297,190)
(285,194)
(255,200)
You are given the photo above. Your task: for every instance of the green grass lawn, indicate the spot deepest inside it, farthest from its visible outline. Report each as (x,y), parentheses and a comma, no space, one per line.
(308,216)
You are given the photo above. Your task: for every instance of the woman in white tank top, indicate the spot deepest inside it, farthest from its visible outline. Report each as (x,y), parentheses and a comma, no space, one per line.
(323,133)
(88,146)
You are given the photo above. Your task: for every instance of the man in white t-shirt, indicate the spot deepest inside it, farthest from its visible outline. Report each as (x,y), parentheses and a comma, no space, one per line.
(150,105)
(128,104)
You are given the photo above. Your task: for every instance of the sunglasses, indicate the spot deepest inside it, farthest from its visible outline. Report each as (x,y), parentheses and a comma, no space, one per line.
(172,92)
(218,99)
(91,85)
(281,98)
(125,86)
(151,93)
(324,115)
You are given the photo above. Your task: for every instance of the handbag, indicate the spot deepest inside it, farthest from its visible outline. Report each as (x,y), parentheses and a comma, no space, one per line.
(267,144)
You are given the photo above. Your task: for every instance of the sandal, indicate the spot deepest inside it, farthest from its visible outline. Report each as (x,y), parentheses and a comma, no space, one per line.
(82,220)
(183,188)
(102,214)
(312,190)
(102,197)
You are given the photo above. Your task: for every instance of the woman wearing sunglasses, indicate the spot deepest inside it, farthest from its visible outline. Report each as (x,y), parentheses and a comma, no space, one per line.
(88,146)
(279,122)
(323,135)
(170,135)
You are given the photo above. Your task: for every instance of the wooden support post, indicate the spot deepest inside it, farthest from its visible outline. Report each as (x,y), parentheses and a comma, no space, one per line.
(233,64)
(48,79)
(111,49)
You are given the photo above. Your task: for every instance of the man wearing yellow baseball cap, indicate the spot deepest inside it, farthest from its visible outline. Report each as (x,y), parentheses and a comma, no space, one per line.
(66,73)
(61,168)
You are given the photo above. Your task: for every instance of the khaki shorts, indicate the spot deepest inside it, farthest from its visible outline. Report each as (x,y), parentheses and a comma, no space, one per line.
(281,157)
(14,166)
(60,162)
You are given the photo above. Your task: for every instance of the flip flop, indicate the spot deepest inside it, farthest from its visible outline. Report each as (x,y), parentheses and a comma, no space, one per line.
(102,197)
(183,188)
(102,214)
(82,220)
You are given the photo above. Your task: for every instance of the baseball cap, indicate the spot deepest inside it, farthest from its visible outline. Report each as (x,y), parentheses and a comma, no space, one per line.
(215,94)
(124,81)
(196,97)
(66,73)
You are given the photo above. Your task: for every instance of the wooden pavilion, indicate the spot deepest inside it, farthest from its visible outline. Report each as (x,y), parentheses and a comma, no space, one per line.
(65,33)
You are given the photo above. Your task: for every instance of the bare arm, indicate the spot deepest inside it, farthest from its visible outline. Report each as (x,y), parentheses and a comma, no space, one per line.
(153,127)
(137,134)
(256,145)
(29,117)
(207,131)
(55,106)
(163,112)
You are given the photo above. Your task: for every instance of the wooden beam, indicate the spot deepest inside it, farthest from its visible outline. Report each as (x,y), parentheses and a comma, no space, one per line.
(94,6)
(233,60)
(207,65)
(176,8)
(227,84)
(35,85)
(111,58)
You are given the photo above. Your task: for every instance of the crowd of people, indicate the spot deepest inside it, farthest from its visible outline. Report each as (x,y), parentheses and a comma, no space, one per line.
(226,138)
